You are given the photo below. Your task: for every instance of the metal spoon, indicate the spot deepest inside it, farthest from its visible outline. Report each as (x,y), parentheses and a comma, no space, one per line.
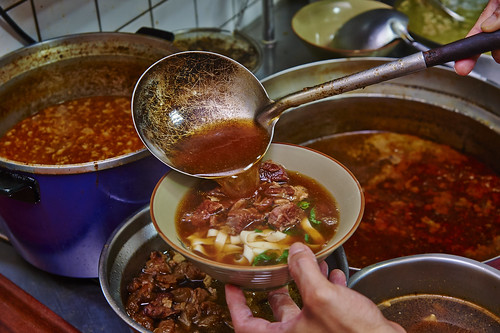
(374,29)
(440,5)
(183,93)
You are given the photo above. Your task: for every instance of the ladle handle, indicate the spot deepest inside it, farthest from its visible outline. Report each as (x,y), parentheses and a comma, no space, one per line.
(463,48)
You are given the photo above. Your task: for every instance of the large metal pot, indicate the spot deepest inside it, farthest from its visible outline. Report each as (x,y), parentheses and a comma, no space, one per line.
(437,104)
(59,217)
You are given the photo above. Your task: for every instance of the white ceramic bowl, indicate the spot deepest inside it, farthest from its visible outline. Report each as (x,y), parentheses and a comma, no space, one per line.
(327,171)
(318,22)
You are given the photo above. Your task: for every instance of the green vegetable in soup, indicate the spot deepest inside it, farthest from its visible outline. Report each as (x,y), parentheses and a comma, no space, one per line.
(312,217)
(270,257)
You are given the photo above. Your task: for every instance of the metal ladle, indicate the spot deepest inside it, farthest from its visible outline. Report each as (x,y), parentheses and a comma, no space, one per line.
(183,92)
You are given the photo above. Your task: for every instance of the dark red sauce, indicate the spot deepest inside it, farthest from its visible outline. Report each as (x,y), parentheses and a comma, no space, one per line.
(421,197)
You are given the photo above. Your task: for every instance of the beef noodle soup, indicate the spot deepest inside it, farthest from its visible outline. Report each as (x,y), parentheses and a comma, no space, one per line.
(257,229)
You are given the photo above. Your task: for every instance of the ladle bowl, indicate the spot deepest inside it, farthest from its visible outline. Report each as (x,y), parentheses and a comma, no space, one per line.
(178,96)
(373,30)
(183,93)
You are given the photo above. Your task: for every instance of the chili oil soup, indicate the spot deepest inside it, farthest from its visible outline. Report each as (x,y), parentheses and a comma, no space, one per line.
(82,130)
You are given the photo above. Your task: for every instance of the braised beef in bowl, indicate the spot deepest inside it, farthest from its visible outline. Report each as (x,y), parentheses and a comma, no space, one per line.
(135,252)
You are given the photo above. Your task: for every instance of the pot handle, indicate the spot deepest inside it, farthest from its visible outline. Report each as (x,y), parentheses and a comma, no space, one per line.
(19,187)
(167,35)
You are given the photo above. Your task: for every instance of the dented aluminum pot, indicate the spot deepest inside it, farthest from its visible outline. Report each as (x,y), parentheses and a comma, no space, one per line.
(58,217)
(435,104)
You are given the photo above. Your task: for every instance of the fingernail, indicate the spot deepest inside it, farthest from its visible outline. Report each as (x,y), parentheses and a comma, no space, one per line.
(295,249)
(489,24)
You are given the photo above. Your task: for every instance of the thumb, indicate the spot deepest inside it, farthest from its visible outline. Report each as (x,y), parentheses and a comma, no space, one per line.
(304,269)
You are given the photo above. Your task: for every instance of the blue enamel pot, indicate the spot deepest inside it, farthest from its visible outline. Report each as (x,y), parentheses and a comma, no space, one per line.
(58,217)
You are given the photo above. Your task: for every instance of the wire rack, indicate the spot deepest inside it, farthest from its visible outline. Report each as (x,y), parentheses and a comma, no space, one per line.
(9,5)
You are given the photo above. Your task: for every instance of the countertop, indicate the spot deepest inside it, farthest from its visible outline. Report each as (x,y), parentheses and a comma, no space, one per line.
(80,301)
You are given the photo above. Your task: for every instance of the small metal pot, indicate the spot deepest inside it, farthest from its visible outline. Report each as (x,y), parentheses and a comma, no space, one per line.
(58,217)
(434,274)
(233,44)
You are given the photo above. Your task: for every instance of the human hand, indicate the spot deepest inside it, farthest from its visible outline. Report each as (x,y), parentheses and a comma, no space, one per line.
(488,21)
(328,305)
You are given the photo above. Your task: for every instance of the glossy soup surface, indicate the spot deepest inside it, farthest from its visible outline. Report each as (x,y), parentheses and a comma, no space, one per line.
(221,148)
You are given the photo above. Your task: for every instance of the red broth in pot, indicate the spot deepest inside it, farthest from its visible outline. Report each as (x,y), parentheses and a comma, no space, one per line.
(421,197)
(76,131)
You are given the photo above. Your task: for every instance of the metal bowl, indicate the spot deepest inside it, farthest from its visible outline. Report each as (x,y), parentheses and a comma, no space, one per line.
(233,44)
(434,274)
(127,250)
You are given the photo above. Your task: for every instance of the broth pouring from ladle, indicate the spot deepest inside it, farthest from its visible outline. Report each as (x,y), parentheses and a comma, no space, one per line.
(185,105)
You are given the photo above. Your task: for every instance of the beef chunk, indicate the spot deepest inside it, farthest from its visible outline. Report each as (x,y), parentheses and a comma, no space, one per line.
(263,204)
(272,172)
(167,281)
(157,264)
(182,295)
(144,321)
(285,216)
(201,216)
(212,314)
(285,191)
(240,216)
(166,326)
(141,291)
(190,271)
(161,306)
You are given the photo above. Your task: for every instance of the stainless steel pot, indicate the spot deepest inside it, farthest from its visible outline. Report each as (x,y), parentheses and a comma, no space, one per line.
(59,217)
(437,104)
(434,274)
